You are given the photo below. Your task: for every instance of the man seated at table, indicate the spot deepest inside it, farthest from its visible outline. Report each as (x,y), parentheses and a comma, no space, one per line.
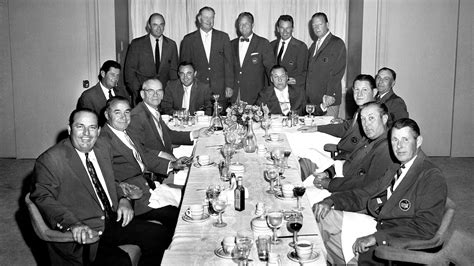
(349,131)
(281,97)
(76,192)
(151,132)
(385,80)
(130,161)
(186,93)
(406,203)
(371,158)
(95,97)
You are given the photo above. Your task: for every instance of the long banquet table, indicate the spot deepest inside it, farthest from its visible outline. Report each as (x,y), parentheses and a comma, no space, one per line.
(194,243)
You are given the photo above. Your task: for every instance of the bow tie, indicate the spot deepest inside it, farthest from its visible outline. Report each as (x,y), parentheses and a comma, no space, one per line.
(244,39)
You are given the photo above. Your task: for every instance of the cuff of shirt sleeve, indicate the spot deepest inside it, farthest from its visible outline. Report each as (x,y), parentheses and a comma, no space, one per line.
(324,109)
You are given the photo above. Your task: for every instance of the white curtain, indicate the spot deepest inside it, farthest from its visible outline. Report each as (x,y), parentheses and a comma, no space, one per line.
(180,16)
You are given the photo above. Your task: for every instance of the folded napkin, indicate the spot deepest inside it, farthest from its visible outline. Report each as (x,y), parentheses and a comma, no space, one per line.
(302,142)
(163,195)
(313,193)
(355,225)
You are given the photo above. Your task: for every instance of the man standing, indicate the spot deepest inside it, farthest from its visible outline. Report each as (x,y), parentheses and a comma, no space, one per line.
(187,92)
(281,98)
(150,56)
(253,59)
(406,203)
(290,52)
(95,97)
(326,65)
(75,191)
(130,161)
(210,52)
(385,80)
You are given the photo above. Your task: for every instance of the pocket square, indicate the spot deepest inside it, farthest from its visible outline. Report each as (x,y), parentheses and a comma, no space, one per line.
(254,54)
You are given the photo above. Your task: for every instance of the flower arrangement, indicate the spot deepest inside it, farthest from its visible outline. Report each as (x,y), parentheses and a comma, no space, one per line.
(241,112)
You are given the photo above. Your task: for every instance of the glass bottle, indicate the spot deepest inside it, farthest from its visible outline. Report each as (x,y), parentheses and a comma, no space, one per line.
(216,120)
(239,195)
(250,141)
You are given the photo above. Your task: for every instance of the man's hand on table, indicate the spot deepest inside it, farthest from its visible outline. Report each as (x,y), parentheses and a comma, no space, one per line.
(125,211)
(321,180)
(362,244)
(201,133)
(83,234)
(181,163)
(337,120)
(322,208)
(308,129)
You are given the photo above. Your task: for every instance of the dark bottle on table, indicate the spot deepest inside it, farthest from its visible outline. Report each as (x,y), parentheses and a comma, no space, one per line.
(239,195)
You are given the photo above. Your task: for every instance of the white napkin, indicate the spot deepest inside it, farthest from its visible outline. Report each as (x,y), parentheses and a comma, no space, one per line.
(355,225)
(302,142)
(164,195)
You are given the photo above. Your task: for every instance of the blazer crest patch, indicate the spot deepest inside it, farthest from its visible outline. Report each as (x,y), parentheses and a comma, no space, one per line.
(404,205)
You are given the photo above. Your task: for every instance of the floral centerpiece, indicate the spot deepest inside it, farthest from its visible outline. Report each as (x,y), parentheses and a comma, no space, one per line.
(241,112)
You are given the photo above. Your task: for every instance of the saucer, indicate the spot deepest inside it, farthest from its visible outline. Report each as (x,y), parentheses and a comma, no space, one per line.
(292,256)
(209,165)
(221,254)
(205,216)
(281,197)
(273,141)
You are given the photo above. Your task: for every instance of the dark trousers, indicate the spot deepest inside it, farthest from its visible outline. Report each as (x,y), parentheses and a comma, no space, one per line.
(167,215)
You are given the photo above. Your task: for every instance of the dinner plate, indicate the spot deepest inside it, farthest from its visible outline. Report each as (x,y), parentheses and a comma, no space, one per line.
(205,217)
(221,254)
(281,197)
(292,256)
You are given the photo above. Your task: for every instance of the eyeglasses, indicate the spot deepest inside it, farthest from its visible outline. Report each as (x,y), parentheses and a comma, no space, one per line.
(153,92)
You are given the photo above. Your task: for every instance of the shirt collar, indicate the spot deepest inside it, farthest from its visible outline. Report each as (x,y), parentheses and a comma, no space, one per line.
(324,38)
(250,37)
(151,109)
(116,132)
(286,41)
(203,33)
(153,39)
(104,89)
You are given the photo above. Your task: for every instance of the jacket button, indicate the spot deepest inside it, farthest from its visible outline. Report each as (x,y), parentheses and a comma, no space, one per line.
(100,233)
(102,217)
(209,68)
(384,242)
(240,72)
(238,81)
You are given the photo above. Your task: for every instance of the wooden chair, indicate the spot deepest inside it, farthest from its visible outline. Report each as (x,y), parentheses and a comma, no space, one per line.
(397,249)
(47,234)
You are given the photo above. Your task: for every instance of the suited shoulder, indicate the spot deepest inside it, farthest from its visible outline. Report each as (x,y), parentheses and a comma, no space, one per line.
(140,39)
(298,43)
(191,35)
(220,33)
(58,150)
(138,109)
(260,39)
(170,41)
(91,90)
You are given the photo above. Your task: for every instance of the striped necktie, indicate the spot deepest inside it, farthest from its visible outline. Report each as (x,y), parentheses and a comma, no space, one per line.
(99,189)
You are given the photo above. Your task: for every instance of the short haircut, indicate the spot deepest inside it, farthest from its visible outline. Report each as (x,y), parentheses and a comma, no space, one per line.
(278,67)
(111,101)
(245,14)
(145,84)
(186,63)
(407,122)
(381,106)
(152,15)
(394,74)
(287,18)
(72,116)
(206,8)
(365,77)
(107,65)
(322,15)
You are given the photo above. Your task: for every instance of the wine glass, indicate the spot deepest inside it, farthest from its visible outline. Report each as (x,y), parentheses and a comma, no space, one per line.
(295,222)
(175,118)
(243,245)
(219,206)
(227,152)
(272,174)
(274,221)
(310,109)
(299,191)
(286,154)
(212,192)
(266,123)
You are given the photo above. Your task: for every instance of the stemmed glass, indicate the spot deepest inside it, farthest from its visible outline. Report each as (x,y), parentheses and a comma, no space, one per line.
(212,192)
(272,174)
(266,123)
(274,221)
(219,206)
(243,245)
(299,191)
(286,154)
(295,222)
(310,109)
(227,152)
(175,117)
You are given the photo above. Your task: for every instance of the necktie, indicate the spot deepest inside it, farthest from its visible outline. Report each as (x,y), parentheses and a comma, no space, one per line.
(395,178)
(156,117)
(356,116)
(137,156)
(280,53)
(110,93)
(318,43)
(98,188)
(285,107)
(185,103)
(244,39)
(157,56)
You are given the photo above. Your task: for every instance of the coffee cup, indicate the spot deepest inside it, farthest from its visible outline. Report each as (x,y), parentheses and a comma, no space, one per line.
(195,211)
(228,244)
(275,137)
(203,159)
(287,190)
(304,249)
(199,113)
(308,121)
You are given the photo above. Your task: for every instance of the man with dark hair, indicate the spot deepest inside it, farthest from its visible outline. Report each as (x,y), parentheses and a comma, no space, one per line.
(326,66)
(385,80)
(76,192)
(407,202)
(95,97)
(150,56)
(210,52)
(186,93)
(280,97)
(253,59)
(290,52)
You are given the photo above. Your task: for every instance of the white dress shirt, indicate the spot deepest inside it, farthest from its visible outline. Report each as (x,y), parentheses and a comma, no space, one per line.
(284,99)
(153,45)
(401,177)
(186,96)
(129,143)
(243,47)
(106,91)
(206,38)
(284,48)
(320,42)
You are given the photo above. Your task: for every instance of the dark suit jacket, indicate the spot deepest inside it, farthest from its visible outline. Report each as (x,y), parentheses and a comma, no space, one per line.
(250,78)
(295,60)
(396,106)
(63,191)
(325,70)
(414,210)
(350,132)
(218,73)
(367,162)
(95,100)
(268,97)
(140,64)
(142,128)
(173,98)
